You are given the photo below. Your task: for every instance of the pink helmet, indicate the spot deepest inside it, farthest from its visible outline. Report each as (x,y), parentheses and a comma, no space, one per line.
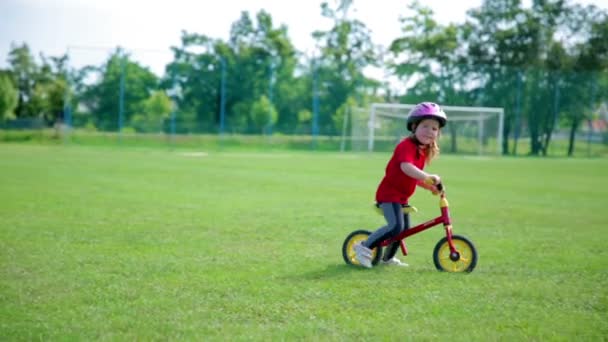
(426,110)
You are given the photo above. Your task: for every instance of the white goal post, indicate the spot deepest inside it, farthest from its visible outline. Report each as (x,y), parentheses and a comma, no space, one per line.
(481,126)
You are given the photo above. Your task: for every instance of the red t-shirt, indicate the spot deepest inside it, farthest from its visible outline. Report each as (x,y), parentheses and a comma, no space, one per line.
(396,186)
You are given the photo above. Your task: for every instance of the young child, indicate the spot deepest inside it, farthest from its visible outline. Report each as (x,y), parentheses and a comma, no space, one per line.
(403,172)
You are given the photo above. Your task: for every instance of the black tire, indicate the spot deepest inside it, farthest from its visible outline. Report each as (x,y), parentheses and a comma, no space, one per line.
(464,261)
(348,250)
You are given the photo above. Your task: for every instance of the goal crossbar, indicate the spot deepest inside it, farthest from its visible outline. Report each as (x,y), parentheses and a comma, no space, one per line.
(496,110)
(479,114)
(482,115)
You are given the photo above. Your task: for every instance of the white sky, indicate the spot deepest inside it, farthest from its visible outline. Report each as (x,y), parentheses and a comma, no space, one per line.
(147,28)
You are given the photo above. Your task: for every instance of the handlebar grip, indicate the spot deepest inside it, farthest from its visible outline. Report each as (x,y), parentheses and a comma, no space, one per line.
(431,181)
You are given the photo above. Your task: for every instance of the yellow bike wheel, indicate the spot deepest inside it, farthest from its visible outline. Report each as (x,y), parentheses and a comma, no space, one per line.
(348,247)
(464,260)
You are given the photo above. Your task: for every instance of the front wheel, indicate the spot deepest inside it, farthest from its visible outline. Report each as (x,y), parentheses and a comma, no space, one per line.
(463,260)
(348,247)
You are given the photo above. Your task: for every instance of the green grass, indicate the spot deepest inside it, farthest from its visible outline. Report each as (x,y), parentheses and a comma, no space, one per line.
(150,244)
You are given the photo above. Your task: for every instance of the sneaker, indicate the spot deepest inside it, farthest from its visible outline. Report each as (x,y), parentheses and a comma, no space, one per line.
(363,250)
(363,255)
(394,261)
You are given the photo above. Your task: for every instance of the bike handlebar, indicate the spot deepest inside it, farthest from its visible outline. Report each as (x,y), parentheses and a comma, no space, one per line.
(431,181)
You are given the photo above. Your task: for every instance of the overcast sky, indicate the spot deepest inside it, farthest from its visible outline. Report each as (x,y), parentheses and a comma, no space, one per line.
(148,28)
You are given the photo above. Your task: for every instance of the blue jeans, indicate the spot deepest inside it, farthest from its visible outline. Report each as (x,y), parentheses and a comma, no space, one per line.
(396,222)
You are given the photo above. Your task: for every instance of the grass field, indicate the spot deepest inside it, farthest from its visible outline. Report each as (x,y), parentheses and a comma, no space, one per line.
(150,244)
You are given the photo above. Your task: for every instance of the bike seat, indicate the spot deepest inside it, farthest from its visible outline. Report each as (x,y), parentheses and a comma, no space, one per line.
(407,209)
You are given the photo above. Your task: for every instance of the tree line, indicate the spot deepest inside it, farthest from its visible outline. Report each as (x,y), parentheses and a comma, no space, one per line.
(546,65)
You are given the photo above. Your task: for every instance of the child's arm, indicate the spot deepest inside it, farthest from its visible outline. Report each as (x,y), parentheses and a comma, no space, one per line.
(414,172)
(430,187)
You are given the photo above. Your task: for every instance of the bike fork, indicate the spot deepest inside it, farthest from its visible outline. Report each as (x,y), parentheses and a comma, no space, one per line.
(443,203)
(454,255)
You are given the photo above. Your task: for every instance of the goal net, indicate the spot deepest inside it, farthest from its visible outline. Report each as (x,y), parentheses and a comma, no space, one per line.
(470,130)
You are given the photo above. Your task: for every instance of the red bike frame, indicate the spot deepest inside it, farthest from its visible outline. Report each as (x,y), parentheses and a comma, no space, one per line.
(444,218)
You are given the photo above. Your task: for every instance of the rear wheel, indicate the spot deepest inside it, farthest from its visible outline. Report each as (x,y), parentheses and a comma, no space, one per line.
(348,247)
(463,260)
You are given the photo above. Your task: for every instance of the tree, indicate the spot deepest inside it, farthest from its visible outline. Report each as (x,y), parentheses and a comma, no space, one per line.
(304,121)
(257,60)
(103,97)
(345,50)
(588,63)
(424,48)
(9,97)
(502,39)
(24,69)
(263,114)
(531,54)
(196,71)
(155,110)
(432,55)
(41,88)
(48,100)
(262,63)
(50,89)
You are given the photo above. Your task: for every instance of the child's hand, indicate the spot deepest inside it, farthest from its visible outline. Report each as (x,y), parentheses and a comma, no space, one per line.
(436,191)
(432,180)
(432,183)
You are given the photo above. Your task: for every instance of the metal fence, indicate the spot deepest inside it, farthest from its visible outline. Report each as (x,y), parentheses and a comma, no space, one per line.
(546,112)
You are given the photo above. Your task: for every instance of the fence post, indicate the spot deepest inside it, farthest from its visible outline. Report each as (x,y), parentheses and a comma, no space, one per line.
(67,110)
(222,97)
(517,112)
(590,119)
(315,104)
(121,97)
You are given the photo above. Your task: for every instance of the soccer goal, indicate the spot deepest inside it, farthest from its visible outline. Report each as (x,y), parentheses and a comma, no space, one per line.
(470,130)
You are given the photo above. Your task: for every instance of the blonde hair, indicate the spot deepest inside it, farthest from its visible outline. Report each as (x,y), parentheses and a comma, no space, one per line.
(431,151)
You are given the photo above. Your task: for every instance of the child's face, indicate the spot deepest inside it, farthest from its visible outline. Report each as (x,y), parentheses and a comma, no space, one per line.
(427,131)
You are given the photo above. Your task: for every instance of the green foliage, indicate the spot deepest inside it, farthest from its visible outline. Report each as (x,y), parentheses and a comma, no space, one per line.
(24,70)
(143,256)
(346,49)
(103,97)
(42,88)
(48,99)
(263,114)
(90,127)
(197,76)
(342,112)
(544,64)
(257,60)
(8,97)
(155,110)
(506,56)
(304,116)
(304,122)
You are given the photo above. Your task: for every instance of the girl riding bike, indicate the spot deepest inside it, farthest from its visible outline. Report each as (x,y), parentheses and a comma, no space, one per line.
(405,171)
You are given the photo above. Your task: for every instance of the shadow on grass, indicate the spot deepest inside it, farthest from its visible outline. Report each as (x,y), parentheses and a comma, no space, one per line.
(331,271)
(335,271)
(344,271)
